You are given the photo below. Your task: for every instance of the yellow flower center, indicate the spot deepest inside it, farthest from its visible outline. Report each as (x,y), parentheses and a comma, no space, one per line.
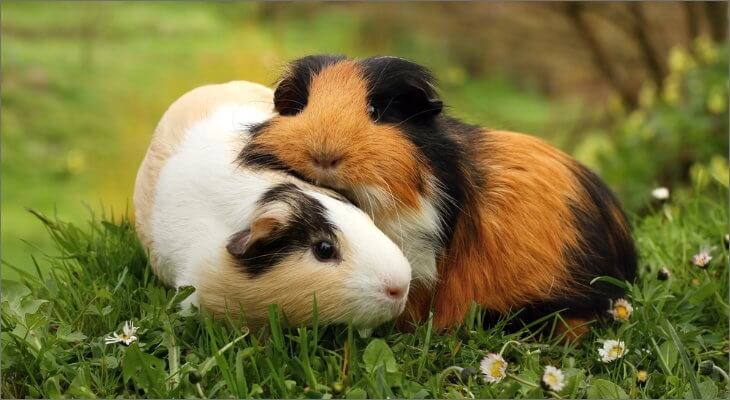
(551,379)
(641,376)
(616,351)
(496,370)
(621,312)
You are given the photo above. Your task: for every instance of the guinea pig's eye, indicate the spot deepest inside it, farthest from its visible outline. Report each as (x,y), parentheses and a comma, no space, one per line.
(371,111)
(324,251)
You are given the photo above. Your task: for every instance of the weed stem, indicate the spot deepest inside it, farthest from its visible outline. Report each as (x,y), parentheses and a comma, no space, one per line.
(504,347)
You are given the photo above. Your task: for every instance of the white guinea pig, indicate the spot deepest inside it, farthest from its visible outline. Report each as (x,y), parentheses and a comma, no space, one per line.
(248,238)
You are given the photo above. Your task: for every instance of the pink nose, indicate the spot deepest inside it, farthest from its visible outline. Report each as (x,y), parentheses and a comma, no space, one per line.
(326,160)
(396,292)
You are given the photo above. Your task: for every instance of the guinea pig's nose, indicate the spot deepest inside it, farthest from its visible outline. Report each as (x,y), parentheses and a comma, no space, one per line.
(396,292)
(326,160)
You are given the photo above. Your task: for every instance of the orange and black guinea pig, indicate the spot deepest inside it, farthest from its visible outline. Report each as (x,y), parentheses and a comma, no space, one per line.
(499,218)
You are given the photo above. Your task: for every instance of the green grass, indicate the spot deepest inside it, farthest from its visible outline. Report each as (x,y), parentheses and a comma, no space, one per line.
(54,322)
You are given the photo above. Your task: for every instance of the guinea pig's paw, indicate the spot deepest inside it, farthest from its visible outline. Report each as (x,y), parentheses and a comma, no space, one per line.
(365,332)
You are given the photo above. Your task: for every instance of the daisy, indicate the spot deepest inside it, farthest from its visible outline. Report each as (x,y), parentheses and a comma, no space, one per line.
(660,193)
(127,336)
(663,274)
(494,367)
(641,377)
(612,350)
(706,367)
(701,259)
(553,379)
(621,310)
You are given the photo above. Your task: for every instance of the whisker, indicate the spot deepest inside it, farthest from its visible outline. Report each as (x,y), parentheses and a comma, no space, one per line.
(415,115)
(386,109)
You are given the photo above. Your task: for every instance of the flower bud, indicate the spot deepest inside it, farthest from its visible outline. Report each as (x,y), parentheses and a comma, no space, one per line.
(663,274)
(467,373)
(706,367)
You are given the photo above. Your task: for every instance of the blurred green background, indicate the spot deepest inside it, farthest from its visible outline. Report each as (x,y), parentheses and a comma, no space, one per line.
(636,91)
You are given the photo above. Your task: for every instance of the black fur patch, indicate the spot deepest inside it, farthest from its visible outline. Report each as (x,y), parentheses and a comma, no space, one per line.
(292,93)
(608,248)
(255,129)
(400,90)
(255,155)
(446,144)
(307,225)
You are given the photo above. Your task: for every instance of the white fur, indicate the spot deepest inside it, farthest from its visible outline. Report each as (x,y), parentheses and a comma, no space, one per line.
(409,230)
(203,197)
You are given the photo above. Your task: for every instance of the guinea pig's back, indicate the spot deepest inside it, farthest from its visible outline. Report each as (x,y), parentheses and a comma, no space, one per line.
(210,118)
(562,224)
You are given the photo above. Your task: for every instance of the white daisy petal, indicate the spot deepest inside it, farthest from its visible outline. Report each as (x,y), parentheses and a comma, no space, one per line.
(127,336)
(129,328)
(553,379)
(701,259)
(494,367)
(113,338)
(660,193)
(621,310)
(612,350)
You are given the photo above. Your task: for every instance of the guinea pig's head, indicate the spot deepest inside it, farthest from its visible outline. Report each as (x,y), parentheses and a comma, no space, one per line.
(303,244)
(359,127)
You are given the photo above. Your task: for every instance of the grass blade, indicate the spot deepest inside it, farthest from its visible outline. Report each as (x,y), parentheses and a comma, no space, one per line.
(685,360)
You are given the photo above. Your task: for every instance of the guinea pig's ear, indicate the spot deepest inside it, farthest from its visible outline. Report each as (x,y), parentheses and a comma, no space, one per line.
(292,92)
(262,226)
(400,90)
(422,96)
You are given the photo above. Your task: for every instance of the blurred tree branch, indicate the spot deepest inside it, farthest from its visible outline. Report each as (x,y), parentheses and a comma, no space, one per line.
(716,12)
(691,15)
(601,60)
(641,29)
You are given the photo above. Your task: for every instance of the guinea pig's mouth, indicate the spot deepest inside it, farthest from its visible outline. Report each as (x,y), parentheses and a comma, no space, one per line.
(325,176)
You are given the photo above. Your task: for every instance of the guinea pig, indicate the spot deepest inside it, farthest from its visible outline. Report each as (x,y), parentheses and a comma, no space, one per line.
(497,218)
(248,238)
